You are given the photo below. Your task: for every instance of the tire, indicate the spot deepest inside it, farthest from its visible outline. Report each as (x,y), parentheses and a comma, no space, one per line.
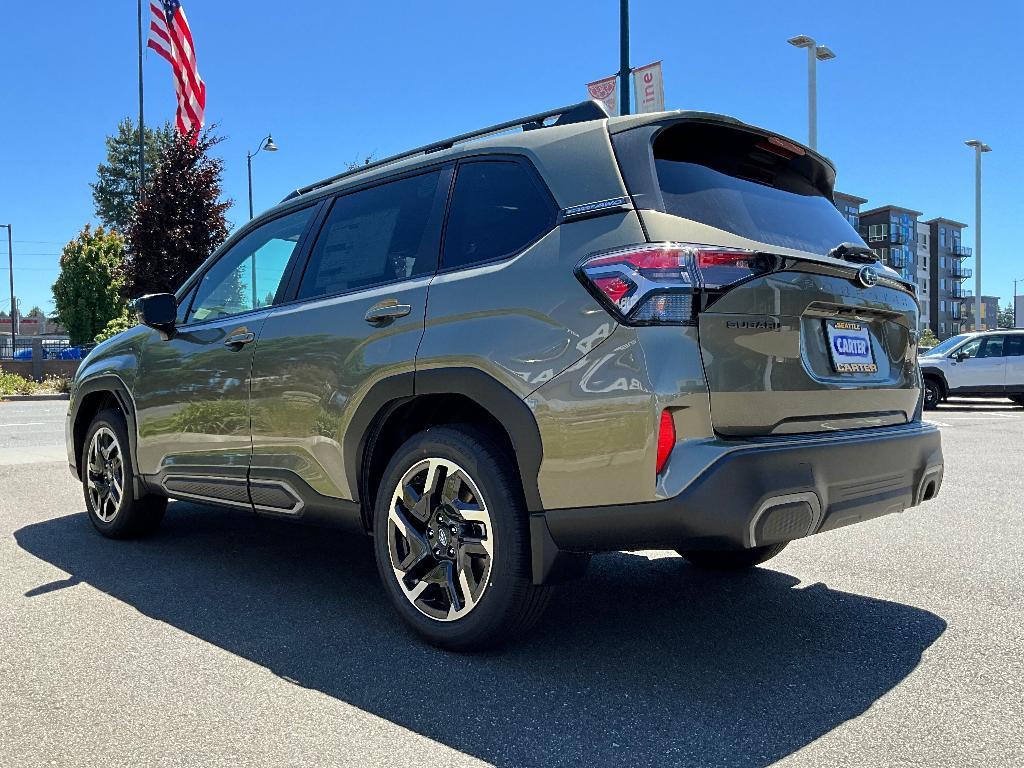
(107,482)
(932,394)
(477,510)
(732,559)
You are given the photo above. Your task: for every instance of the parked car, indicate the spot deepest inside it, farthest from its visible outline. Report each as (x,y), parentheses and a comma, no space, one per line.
(982,364)
(502,352)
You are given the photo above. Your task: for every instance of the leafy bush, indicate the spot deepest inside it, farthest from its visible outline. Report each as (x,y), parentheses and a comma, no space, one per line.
(52,384)
(56,383)
(120,323)
(13,384)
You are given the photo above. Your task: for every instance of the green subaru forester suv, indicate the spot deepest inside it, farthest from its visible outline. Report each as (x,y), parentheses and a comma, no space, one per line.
(500,353)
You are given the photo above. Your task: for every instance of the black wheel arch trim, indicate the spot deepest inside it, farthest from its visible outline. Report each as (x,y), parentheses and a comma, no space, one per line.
(489,393)
(936,373)
(114,385)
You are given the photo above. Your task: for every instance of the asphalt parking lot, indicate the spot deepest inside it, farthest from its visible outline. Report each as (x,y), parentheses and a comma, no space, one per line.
(232,640)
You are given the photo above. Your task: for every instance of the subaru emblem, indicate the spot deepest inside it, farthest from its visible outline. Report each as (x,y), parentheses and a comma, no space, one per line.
(867,276)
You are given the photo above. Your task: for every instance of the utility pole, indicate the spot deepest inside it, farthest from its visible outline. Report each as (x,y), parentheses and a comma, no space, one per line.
(142,122)
(979,148)
(624,70)
(10,264)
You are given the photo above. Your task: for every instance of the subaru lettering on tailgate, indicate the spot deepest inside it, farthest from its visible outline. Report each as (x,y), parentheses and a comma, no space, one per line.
(849,346)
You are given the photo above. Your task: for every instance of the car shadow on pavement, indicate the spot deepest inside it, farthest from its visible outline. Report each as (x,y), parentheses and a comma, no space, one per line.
(640,663)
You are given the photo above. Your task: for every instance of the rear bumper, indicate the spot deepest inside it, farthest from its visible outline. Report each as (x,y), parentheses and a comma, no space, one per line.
(760,491)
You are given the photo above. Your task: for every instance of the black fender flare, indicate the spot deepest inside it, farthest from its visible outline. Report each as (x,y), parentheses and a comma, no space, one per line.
(936,373)
(500,401)
(114,385)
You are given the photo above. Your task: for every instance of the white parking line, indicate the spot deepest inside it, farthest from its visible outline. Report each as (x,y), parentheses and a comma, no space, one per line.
(29,424)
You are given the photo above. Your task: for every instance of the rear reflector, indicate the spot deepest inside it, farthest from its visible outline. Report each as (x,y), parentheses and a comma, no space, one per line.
(666,439)
(655,283)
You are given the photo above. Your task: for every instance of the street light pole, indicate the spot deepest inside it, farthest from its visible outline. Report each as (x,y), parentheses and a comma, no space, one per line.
(624,71)
(10,264)
(979,147)
(268,144)
(815,53)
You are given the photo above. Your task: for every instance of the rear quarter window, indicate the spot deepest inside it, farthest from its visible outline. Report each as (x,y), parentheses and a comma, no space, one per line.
(498,208)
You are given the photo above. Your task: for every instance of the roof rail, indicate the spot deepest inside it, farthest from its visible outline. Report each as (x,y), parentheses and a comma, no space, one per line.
(574,113)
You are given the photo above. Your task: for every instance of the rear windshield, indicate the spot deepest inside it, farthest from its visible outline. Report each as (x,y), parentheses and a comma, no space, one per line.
(746,184)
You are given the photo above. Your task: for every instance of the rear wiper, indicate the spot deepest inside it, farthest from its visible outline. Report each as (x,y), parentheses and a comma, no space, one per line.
(853,252)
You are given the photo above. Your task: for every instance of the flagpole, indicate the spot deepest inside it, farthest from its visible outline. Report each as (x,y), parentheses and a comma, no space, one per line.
(142,124)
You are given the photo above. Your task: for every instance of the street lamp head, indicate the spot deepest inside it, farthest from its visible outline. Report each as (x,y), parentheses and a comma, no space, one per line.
(823,53)
(978,145)
(270,146)
(801,41)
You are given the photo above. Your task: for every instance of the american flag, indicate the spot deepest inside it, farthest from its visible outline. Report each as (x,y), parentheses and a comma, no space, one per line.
(170,36)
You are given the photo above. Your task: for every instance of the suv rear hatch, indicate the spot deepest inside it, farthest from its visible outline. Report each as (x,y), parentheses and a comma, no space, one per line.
(794,338)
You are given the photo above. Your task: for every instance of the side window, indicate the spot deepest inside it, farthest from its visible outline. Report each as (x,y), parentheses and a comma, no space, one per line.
(248,275)
(1014,345)
(497,209)
(379,235)
(970,349)
(993,347)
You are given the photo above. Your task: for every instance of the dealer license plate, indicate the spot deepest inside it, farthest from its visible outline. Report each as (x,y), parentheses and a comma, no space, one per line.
(849,346)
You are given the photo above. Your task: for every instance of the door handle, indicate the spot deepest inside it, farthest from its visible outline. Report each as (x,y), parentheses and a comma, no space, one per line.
(386,311)
(239,339)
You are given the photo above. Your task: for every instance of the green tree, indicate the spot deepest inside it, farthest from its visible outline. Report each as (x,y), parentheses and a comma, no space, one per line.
(928,339)
(1004,318)
(35,312)
(116,191)
(122,322)
(181,220)
(87,293)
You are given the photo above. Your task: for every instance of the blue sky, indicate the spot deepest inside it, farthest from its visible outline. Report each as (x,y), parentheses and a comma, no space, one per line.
(334,81)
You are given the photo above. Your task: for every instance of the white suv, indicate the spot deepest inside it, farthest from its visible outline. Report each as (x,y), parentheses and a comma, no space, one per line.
(975,365)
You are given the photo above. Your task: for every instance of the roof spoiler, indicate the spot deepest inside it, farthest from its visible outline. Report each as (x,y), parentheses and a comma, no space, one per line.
(582,112)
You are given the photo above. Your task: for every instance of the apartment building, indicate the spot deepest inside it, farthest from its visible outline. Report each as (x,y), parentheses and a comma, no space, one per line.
(948,273)
(922,276)
(989,312)
(928,253)
(891,232)
(849,206)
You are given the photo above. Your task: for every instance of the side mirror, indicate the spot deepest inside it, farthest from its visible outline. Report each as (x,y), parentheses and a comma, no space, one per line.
(157,310)
(961,356)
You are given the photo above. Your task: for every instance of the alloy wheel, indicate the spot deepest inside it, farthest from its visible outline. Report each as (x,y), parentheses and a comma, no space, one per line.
(440,539)
(931,394)
(105,469)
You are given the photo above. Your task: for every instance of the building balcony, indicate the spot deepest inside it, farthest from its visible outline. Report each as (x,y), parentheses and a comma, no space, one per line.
(896,236)
(959,292)
(960,251)
(959,272)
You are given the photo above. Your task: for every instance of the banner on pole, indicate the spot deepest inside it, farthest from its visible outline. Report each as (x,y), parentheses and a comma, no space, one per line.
(605,91)
(649,88)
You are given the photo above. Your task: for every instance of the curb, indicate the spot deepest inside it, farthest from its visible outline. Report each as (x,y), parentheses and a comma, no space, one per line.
(30,398)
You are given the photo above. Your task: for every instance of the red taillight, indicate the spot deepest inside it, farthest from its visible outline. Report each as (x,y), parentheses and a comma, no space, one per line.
(666,439)
(655,283)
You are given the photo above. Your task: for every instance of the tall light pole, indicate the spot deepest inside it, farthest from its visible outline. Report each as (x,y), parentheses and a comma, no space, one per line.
(10,264)
(979,147)
(1018,280)
(815,53)
(624,70)
(269,145)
